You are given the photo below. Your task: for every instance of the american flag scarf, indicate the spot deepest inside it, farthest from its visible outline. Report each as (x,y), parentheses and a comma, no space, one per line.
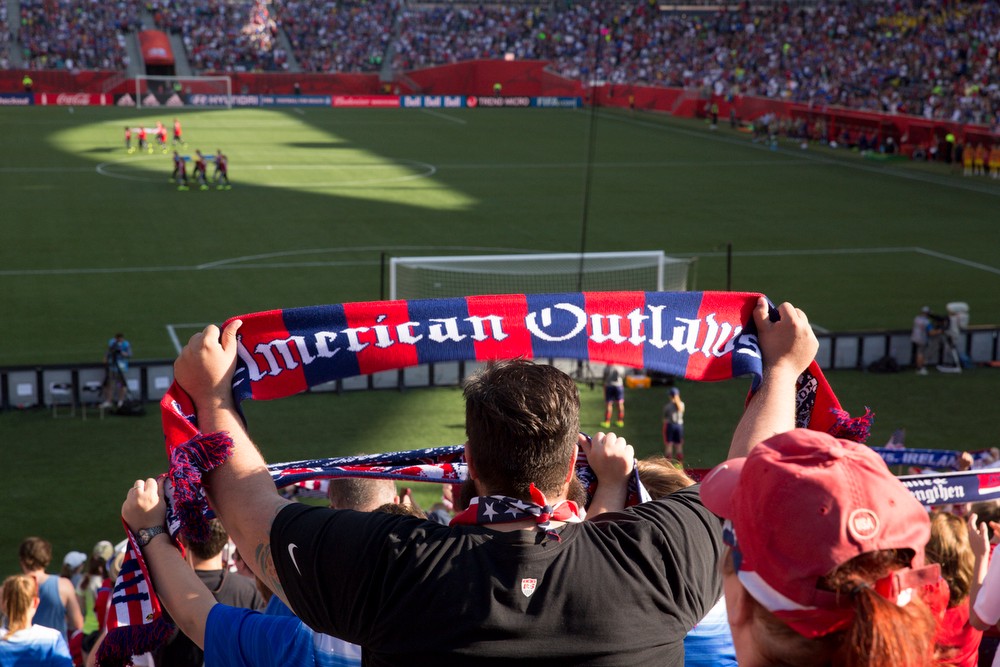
(705,336)
(485,510)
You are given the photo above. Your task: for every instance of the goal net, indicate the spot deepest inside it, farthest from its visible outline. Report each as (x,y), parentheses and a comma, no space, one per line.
(439,277)
(182,91)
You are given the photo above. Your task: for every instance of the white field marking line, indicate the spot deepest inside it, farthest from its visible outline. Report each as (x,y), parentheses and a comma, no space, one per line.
(320,167)
(105,168)
(231,263)
(791,253)
(428,170)
(316,251)
(174,269)
(172,332)
(32,170)
(958,260)
(818,329)
(299,111)
(620,165)
(846,251)
(438,114)
(819,159)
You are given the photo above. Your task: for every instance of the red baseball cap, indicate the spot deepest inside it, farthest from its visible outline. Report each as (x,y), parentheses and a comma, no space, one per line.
(800,505)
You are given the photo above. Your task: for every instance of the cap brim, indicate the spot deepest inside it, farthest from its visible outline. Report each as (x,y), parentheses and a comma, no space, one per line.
(719,487)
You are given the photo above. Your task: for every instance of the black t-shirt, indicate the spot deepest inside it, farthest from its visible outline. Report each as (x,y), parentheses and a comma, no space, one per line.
(621,590)
(231,589)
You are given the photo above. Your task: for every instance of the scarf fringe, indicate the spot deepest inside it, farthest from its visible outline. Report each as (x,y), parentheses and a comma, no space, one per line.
(188,462)
(856,429)
(123,642)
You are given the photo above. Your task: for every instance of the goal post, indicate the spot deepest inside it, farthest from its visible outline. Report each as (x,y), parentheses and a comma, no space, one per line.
(468,275)
(181,91)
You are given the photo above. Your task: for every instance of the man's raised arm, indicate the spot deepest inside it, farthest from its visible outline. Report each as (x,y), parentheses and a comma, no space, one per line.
(240,491)
(787,346)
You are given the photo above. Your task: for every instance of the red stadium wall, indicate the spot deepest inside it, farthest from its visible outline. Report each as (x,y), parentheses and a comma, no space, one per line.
(530,78)
(518,78)
(58,81)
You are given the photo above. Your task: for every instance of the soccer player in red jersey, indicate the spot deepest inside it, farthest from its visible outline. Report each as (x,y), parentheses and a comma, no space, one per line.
(177,133)
(128,138)
(161,136)
(142,140)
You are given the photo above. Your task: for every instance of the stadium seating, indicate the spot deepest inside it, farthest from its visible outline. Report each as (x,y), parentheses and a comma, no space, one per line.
(929,58)
(4,38)
(51,37)
(217,36)
(338,36)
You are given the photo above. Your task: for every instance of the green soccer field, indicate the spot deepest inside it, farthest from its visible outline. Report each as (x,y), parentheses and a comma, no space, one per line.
(97,241)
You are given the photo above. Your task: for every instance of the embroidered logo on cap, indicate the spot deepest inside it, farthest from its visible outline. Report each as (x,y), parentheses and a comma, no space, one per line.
(528,586)
(863,524)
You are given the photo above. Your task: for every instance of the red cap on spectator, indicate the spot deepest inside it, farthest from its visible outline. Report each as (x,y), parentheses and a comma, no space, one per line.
(802,504)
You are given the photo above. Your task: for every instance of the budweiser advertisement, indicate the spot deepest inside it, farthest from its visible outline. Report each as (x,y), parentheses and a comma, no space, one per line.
(386,101)
(75,99)
(16,99)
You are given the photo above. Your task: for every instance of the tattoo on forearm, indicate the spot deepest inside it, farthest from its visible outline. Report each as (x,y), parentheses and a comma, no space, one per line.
(268,572)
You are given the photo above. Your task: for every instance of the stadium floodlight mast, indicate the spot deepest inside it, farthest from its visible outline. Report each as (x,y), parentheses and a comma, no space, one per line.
(468,275)
(218,87)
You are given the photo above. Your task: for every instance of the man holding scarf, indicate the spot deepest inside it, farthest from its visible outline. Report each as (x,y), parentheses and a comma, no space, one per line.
(518,575)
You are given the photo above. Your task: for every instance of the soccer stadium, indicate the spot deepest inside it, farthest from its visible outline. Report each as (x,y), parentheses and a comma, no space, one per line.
(390,194)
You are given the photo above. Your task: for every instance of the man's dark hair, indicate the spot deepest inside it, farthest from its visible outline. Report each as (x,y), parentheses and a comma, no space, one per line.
(522,421)
(35,553)
(212,547)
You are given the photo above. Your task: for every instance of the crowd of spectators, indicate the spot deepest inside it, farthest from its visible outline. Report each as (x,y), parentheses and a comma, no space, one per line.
(76,34)
(339,36)
(445,34)
(4,38)
(931,58)
(223,37)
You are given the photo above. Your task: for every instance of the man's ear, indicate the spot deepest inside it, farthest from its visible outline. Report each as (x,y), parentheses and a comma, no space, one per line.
(739,605)
(572,465)
(470,466)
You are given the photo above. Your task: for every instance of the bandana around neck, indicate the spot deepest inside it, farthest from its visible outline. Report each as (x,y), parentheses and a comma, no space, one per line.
(486,510)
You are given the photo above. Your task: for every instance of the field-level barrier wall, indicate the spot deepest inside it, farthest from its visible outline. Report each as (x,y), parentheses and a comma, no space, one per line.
(533,78)
(79,385)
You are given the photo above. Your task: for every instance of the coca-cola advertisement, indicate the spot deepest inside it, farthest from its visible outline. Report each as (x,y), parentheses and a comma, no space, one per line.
(74,99)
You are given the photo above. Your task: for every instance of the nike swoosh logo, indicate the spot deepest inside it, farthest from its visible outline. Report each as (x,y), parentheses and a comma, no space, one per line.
(291,554)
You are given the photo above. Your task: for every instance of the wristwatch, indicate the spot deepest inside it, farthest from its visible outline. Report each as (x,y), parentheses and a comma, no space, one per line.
(144,535)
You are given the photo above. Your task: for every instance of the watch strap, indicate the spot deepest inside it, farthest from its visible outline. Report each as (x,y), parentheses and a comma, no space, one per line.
(146,534)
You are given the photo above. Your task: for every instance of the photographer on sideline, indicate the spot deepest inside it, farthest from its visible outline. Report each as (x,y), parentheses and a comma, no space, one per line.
(116,365)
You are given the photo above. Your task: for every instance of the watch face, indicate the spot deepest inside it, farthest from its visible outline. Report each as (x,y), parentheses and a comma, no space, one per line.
(146,534)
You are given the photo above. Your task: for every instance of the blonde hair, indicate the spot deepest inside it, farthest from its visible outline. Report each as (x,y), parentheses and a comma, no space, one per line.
(661,477)
(19,592)
(949,547)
